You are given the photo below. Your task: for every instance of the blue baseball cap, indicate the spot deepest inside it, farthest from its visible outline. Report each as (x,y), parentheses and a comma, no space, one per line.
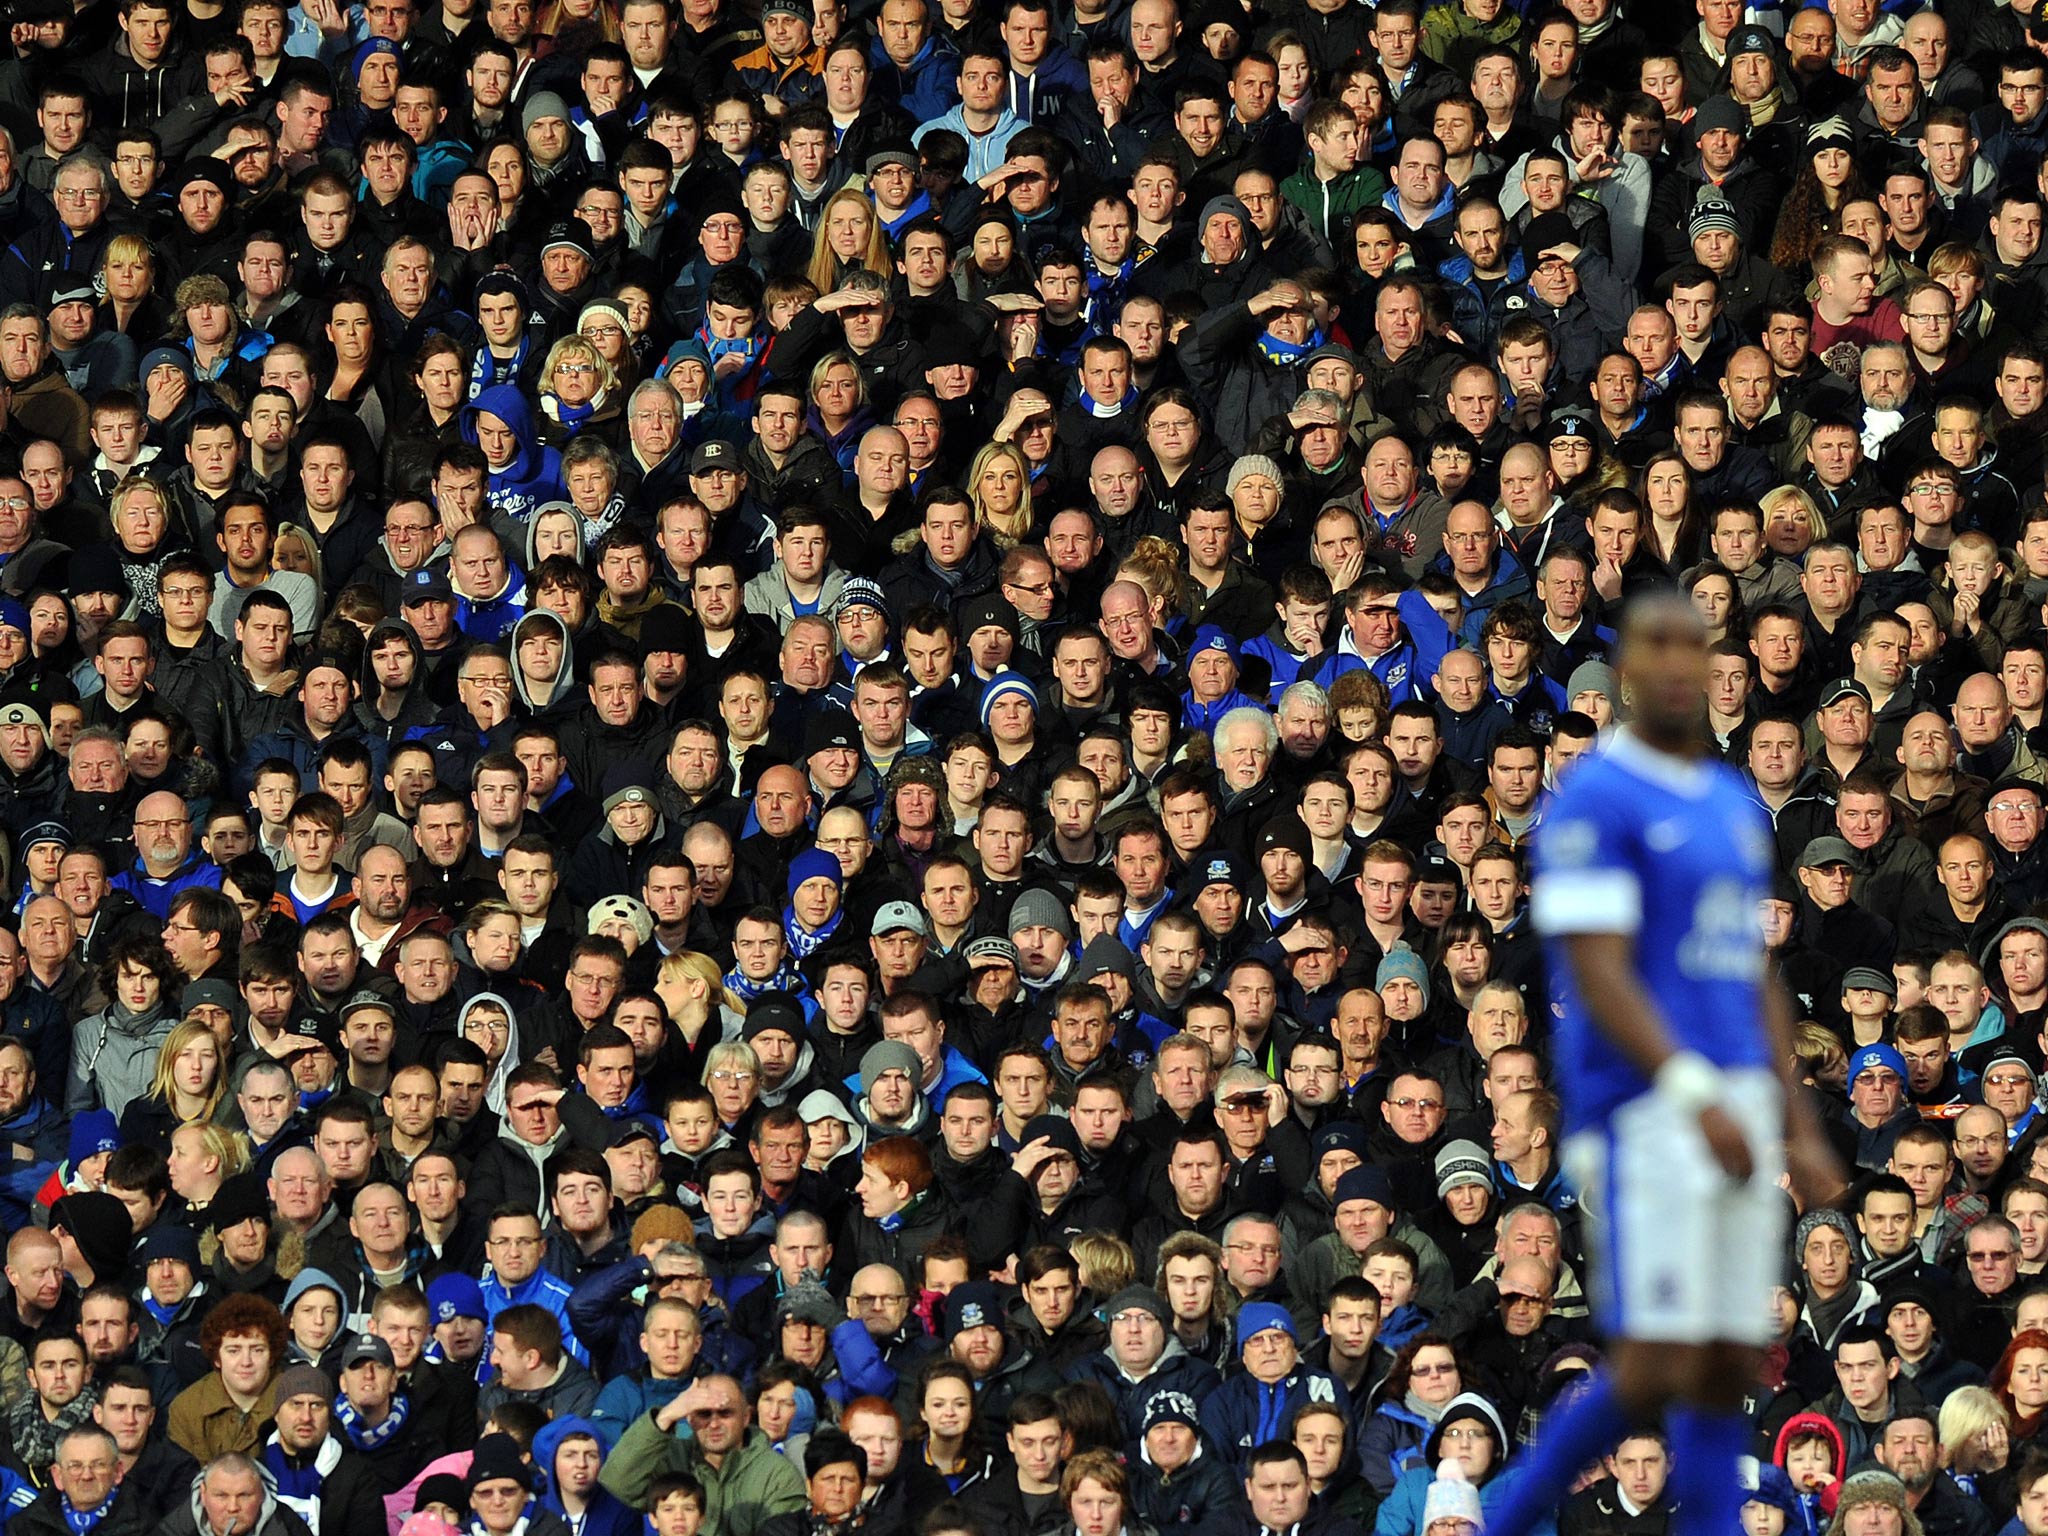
(1874,1056)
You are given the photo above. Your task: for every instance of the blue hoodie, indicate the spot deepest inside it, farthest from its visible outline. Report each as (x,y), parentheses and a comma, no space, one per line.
(534,476)
(604,1513)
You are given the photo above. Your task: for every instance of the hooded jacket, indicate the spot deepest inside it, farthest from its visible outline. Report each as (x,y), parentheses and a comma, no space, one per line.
(534,473)
(113,1056)
(1402,1513)
(414,709)
(272,1519)
(604,1514)
(564,684)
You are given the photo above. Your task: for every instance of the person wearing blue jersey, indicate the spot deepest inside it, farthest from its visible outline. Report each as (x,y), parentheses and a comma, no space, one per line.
(1671,1045)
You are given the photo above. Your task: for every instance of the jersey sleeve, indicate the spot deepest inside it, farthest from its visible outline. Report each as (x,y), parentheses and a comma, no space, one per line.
(1588,878)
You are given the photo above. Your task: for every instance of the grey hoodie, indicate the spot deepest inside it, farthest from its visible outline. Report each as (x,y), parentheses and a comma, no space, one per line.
(273,1519)
(494,1090)
(565,677)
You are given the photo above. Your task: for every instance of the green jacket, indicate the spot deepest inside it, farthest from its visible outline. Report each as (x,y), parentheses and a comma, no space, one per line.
(755,1483)
(1330,205)
(1452,37)
(1327,1260)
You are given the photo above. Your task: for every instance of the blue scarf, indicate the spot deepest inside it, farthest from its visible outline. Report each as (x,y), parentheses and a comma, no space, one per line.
(159,1311)
(295,1485)
(570,415)
(83,1520)
(1108,291)
(786,979)
(365,1437)
(1287,353)
(803,942)
(1103,412)
(486,370)
(748,347)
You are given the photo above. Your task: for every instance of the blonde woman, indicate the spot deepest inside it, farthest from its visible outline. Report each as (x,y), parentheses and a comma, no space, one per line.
(849,236)
(999,485)
(128,278)
(1107,1262)
(187,1088)
(580,390)
(1976,1435)
(691,986)
(204,1157)
(296,551)
(1154,564)
(1792,522)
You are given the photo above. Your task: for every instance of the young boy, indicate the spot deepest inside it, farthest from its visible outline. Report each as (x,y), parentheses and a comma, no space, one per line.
(1810,1450)
(117,430)
(275,791)
(691,1121)
(1296,636)
(317,884)
(1772,1506)
(1391,1266)
(675,1505)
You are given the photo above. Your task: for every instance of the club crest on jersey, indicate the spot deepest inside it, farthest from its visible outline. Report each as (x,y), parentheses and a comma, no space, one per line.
(1723,943)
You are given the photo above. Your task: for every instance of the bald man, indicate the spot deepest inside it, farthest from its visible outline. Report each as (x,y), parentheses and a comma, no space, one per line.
(165,862)
(35,1284)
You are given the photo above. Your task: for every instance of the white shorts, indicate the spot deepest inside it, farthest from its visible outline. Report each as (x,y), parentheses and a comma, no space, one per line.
(1678,1253)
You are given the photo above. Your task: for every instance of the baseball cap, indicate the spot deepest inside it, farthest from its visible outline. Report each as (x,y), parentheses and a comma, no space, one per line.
(427,586)
(895,916)
(714,454)
(1823,851)
(366,1346)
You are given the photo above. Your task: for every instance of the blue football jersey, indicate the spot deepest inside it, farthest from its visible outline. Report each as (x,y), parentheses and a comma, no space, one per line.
(1677,854)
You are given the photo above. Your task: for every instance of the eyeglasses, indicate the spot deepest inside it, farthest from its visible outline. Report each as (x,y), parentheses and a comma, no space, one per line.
(1995,1256)
(16,503)
(1411,1103)
(875,1302)
(727,1075)
(574,368)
